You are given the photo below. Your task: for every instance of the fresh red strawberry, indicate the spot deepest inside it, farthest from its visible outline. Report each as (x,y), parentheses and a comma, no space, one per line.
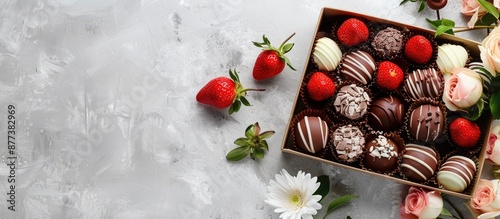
(320,87)
(464,132)
(418,49)
(352,32)
(389,76)
(271,61)
(222,92)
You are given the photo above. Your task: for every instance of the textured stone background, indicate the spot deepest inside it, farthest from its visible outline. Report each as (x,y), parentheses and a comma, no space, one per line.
(108,125)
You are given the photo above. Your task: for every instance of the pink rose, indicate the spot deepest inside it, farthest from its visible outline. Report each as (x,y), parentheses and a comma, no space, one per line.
(493,151)
(490,51)
(472,8)
(486,200)
(462,89)
(422,203)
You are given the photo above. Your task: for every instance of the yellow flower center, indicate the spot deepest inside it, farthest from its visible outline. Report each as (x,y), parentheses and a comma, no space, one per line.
(297,198)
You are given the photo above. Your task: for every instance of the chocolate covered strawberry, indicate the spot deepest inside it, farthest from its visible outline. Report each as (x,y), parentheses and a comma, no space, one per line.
(320,87)
(222,92)
(418,49)
(464,132)
(352,32)
(389,76)
(271,61)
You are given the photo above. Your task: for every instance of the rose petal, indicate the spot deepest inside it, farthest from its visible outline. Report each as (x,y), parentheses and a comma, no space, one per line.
(473,20)
(434,206)
(405,215)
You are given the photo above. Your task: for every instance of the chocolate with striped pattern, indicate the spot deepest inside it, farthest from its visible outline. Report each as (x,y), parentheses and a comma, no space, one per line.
(426,123)
(311,134)
(419,163)
(357,66)
(456,173)
(386,113)
(424,83)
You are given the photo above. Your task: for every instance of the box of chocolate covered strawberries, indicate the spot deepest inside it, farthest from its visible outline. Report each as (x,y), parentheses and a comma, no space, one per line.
(370,100)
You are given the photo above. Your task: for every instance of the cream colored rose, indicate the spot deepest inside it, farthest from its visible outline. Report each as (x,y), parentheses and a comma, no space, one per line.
(486,200)
(490,51)
(493,152)
(422,203)
(473,9)
(462,89)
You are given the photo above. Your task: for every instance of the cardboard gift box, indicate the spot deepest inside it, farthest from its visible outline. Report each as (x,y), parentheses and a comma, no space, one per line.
(328,19)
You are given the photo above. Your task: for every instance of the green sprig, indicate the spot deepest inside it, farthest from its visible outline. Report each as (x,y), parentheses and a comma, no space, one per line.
(253,143)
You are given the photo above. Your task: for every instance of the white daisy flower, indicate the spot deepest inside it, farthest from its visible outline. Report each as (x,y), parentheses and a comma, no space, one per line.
(293,195)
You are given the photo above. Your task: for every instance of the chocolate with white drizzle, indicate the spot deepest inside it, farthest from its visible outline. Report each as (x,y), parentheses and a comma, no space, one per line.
(311,134)
(426,122)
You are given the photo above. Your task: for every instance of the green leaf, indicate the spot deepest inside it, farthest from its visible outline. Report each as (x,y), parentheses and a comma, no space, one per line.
(232,75)
(490,8)
(287,61)
(288,47)
(238,153)
(435,23)
(495,105)
(252,155)
(338,202)
(245,101)
(241,142)
(486,20)
(263,144)
(266,41)
(496,171)
(445,212)
(249,131)
(402,2)
(324,187)
(266,134)
(235,107)
(257,44)
(422,6)
(447,22)
(476,110)
(349,217)
(442,29)
(495,82)
(258,153)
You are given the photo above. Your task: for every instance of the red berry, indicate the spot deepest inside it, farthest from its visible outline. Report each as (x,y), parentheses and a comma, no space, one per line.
(464,132)
(389,76)
(267,65)
(418,49)
(320,87)
(219,92)
(222,92)
(271,61)
(352,32)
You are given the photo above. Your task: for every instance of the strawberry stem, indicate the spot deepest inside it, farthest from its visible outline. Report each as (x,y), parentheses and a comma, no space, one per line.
(253,89)
(286,40)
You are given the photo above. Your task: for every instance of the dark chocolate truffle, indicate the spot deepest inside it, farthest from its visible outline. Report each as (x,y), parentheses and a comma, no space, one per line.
(424,83)
(456,173)
(358,67)
(426,123)
(386,113)
(419,162)
(388,42)
(349,142)
(381,154)
(352,101)
(311,134)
